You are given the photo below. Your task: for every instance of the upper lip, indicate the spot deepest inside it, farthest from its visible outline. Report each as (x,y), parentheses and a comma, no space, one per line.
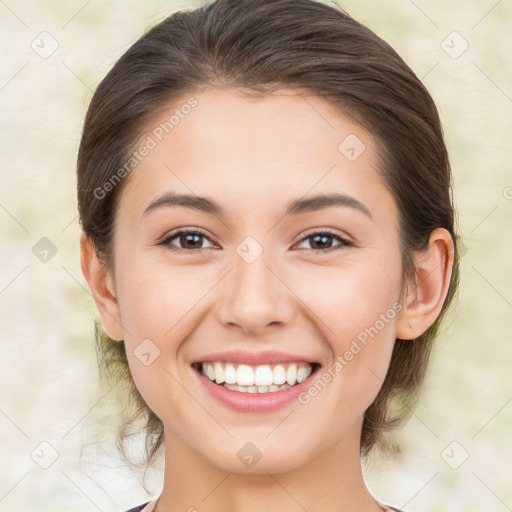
(253,358)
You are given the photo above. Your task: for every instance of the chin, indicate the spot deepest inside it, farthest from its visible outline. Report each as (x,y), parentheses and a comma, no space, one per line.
(278,463)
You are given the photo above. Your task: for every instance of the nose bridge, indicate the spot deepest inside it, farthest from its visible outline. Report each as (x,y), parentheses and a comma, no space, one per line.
(254,297)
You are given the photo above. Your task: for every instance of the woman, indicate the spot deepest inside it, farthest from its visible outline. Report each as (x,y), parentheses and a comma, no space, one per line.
(269,236)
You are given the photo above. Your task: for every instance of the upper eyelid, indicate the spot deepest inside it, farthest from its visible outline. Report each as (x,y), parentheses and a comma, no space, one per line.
(181,231)
(329,231)
(346,240)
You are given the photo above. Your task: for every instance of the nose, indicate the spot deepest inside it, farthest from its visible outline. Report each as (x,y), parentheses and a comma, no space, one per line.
(254,298)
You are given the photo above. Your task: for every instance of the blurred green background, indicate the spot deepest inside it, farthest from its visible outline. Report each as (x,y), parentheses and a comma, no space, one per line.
(53,54)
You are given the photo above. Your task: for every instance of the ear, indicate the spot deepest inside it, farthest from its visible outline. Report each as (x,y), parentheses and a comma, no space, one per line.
(102,288)
(424,300)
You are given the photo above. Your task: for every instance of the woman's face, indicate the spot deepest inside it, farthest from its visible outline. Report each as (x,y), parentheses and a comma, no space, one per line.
(253,291)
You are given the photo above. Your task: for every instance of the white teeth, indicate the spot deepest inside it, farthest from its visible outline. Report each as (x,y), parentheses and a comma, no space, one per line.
(291,374)
(229,374)
(254,389)
(263,376)
(245,375)
(303,373)
(219,373)
(256,379)
(279,374)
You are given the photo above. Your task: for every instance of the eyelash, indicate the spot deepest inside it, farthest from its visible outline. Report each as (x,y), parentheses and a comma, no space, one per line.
(167,241)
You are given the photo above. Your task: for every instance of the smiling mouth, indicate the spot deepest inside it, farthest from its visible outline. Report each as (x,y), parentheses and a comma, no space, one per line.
(267,378)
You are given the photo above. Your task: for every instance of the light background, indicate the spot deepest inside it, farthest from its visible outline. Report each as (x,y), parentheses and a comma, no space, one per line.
(50,391)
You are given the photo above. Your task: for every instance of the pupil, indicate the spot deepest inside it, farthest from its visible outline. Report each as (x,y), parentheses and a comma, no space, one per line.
(324,240)
(190,236)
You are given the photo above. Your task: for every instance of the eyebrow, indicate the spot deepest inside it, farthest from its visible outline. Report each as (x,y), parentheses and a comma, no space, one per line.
(203,204)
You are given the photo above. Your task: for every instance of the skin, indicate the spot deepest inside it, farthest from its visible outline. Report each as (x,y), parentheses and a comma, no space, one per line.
(253,156)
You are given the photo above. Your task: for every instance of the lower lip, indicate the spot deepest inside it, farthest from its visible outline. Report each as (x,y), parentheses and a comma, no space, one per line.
(254,402)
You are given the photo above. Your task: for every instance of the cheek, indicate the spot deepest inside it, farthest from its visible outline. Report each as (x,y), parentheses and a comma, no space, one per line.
(358,308)
(353,297)
(157,308)
(157,298)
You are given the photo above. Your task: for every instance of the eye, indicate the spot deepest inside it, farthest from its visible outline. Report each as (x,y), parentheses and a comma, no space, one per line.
(322,241)
(189,239)
(193,239)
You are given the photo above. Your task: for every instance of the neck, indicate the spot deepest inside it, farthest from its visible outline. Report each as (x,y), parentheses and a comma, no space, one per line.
(332,480)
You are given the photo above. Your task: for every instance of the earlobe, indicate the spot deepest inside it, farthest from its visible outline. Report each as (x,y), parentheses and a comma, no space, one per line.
(102,288)
(424,300)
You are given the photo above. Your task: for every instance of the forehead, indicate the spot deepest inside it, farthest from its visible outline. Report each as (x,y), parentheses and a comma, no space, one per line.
(254,151)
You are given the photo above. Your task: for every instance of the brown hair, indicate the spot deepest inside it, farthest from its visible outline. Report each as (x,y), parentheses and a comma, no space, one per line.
(263,45)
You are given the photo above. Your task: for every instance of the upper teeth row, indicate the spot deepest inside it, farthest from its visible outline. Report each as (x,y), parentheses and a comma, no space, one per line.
(264,375)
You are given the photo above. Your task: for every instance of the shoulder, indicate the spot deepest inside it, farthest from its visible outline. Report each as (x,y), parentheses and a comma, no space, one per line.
(389,508)
(140,508)
(145,507)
